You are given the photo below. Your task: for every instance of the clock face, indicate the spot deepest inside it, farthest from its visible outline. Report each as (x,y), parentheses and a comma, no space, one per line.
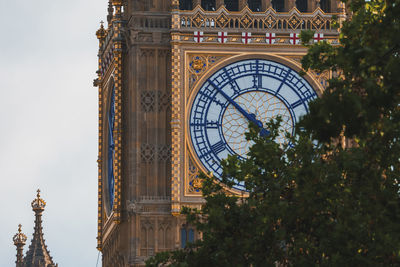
(111,150)
(255,90)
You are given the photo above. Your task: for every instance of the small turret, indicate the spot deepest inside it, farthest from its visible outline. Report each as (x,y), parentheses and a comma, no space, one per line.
(20,241)
(118,8)
(110,12)
(101,33)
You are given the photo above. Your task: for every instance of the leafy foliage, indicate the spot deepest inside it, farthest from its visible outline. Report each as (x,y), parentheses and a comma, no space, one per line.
(331,197)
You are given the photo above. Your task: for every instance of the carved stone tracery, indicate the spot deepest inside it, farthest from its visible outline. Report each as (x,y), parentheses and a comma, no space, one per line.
(164,153)
(154,100)
(155,235)
(150,152)
(147,153)
(111,254)
(148,100)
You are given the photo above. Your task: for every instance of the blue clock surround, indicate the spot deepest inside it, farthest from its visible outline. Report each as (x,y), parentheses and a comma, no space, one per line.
(226,89)
(110,151)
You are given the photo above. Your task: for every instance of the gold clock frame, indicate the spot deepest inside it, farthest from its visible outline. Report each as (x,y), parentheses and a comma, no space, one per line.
(189,93)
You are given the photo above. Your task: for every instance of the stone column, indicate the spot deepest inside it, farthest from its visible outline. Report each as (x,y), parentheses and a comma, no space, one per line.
(289,4)
(334,5)
(175,4)
(242,4)
(219,3)
(196,3)
(265,4)
(317,3)
(311,6)
(110,13)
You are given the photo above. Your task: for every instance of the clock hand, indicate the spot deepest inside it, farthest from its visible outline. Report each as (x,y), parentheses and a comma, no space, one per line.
(250,117)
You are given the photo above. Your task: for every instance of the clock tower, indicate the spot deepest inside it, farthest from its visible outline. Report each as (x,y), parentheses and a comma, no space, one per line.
(178,83)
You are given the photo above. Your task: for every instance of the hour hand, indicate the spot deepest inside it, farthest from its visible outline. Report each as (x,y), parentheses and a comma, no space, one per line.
(263,131)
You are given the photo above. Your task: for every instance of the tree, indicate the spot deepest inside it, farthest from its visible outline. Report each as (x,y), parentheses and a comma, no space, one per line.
(331,197)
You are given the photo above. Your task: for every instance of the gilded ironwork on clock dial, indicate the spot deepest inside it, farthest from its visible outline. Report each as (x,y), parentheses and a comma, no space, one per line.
(253,90)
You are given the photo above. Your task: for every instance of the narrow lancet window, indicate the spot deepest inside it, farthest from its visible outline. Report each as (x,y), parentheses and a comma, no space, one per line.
(232,5)
(187,235)
(208,5)
(185,5)
(278,5)
(301,5)
(255,5)
(326,6)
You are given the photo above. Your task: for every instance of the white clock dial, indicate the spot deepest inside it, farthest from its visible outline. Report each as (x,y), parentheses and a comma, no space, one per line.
(253,90)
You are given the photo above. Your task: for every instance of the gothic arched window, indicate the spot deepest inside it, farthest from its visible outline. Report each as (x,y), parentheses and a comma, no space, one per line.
(208,5)
(278,5)
(187,235)
(301,5)
(185,5)
(232,5)
(255,5)
(325,6)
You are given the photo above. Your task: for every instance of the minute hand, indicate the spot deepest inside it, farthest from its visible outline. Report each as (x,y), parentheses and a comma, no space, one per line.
(249,117)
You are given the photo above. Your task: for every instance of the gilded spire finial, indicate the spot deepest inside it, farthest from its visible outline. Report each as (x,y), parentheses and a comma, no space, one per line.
(19,238)
(101,33)
(38,204)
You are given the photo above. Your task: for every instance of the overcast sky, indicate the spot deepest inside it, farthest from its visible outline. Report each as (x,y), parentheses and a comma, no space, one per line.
(48,137)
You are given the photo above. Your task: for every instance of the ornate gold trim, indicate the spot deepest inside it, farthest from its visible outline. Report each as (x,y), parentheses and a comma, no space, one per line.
(246,19)
(114,70)
(282,40)
(176,126)
(118,129)
(283,58)
(99,165)
(104,93)
(200,63)
(191,184)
